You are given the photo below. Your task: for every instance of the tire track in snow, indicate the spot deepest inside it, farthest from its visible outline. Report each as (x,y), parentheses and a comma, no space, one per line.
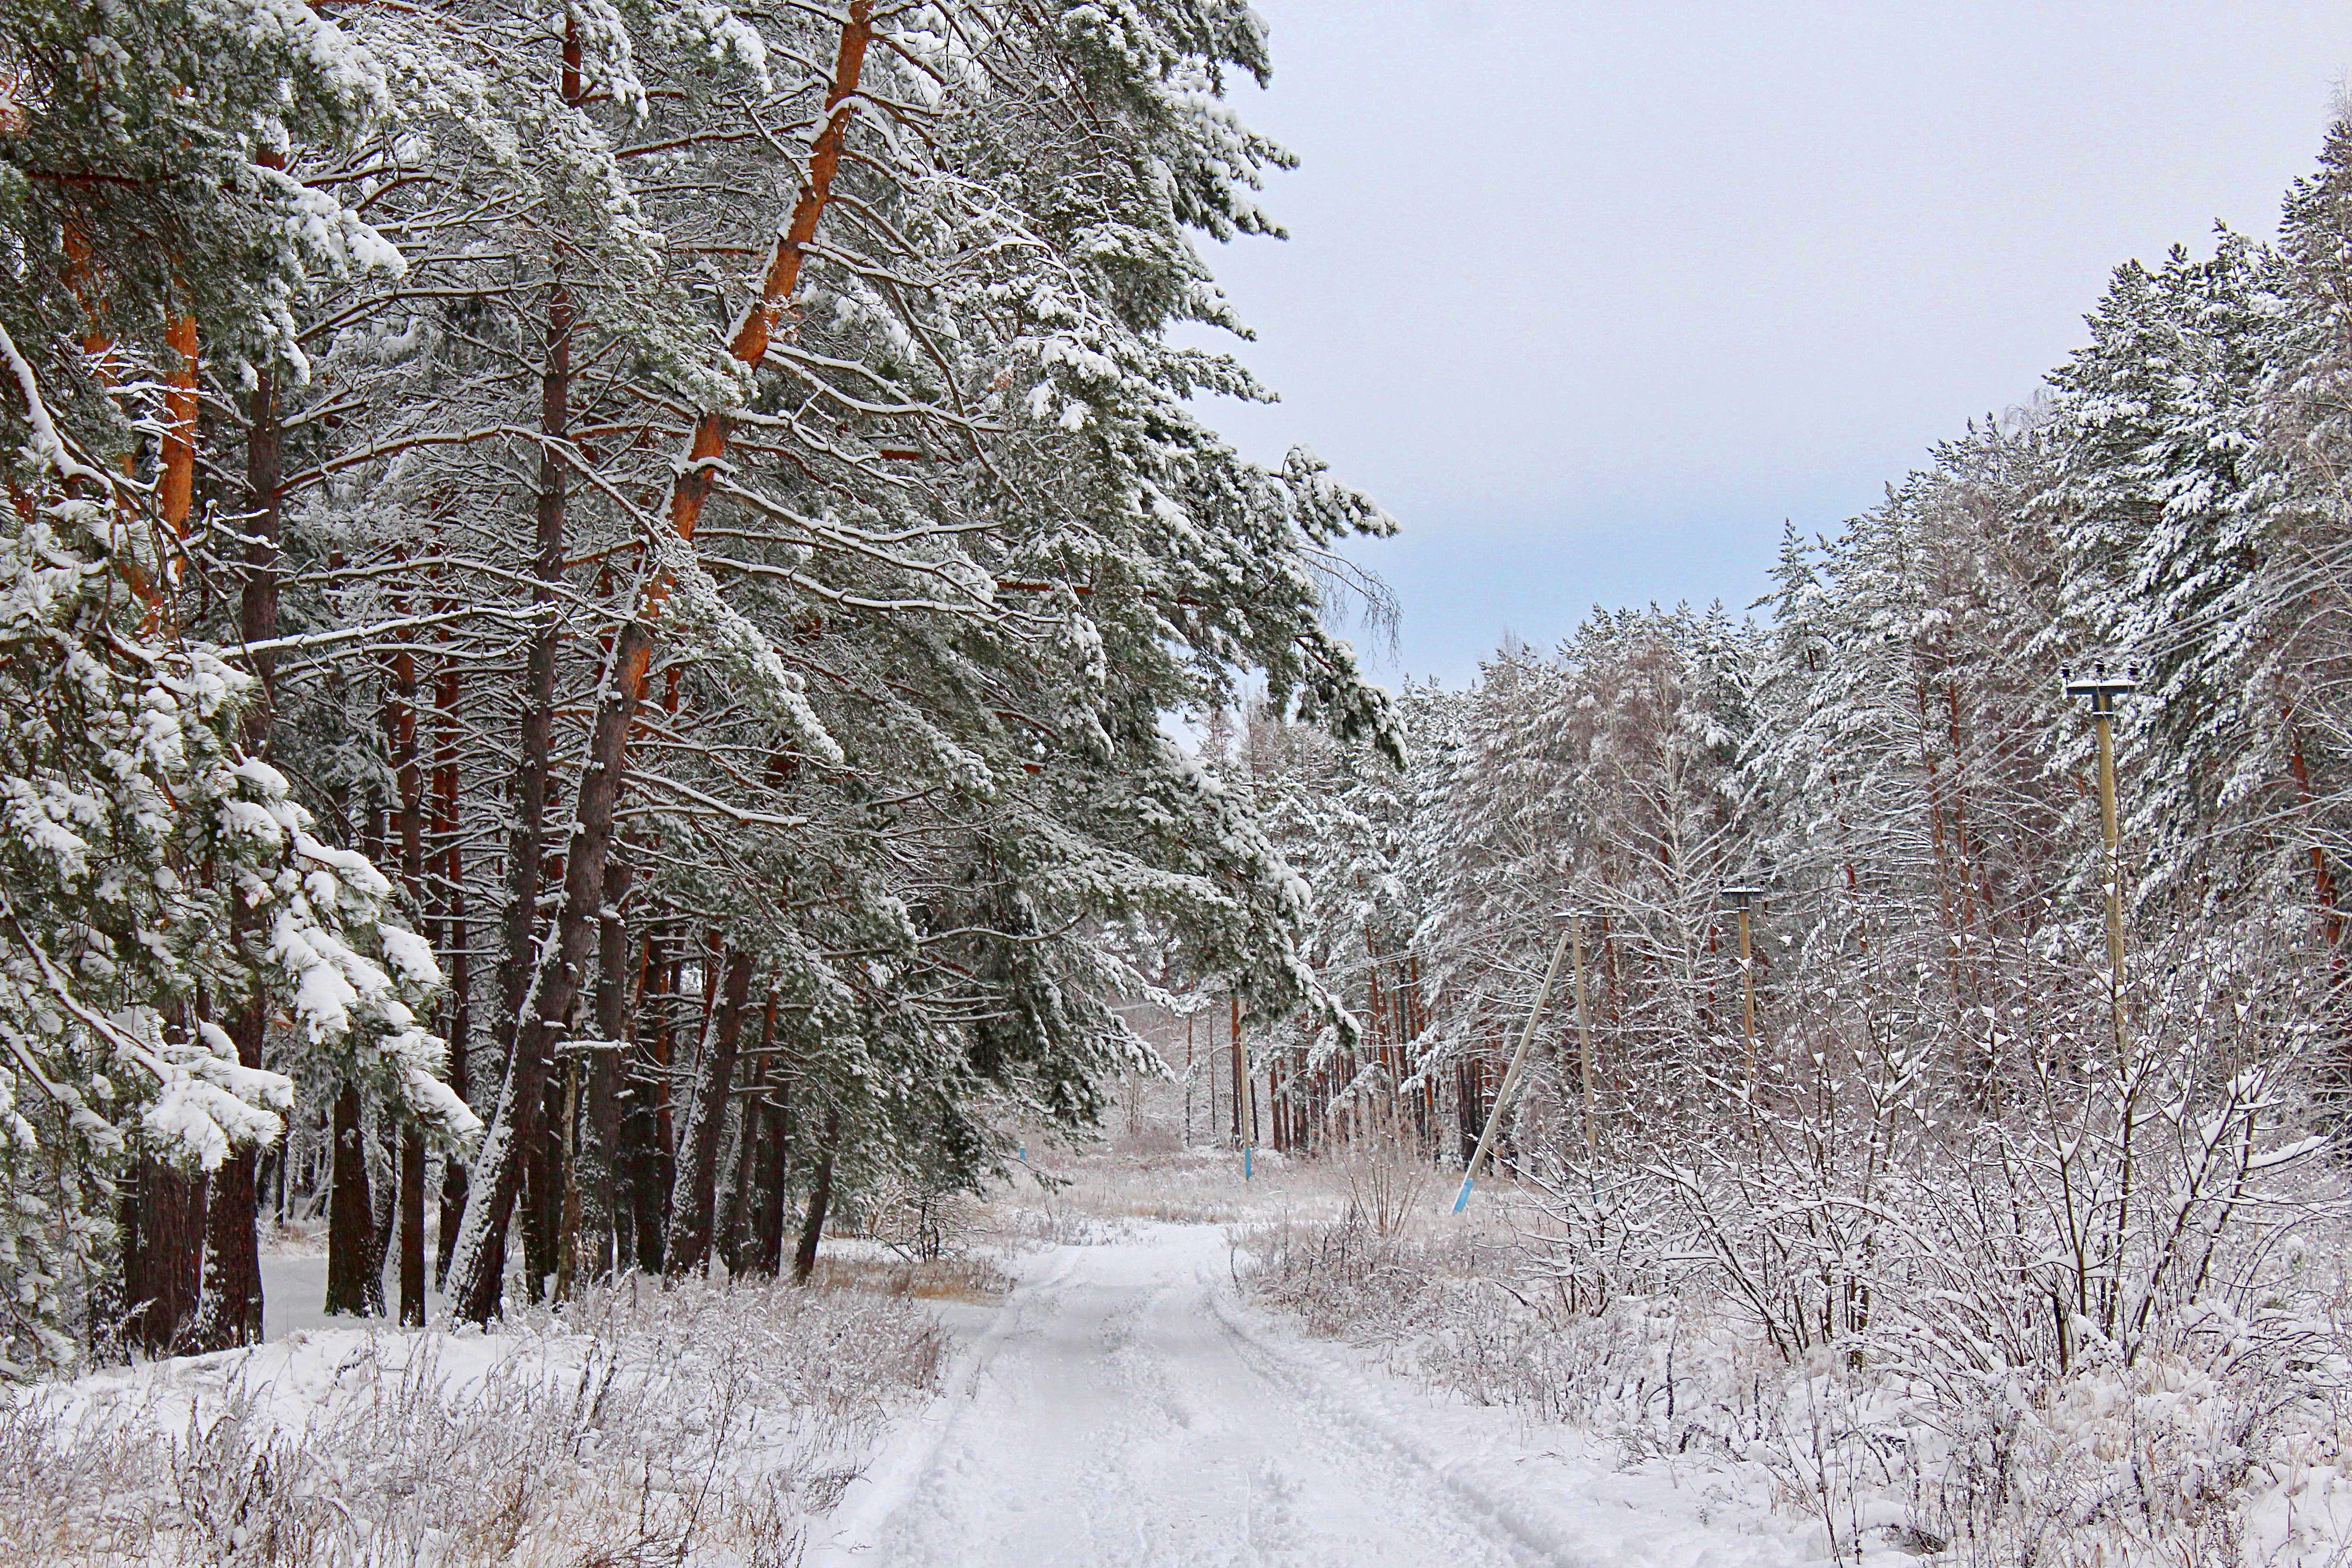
(1118,1412)
(1355,1417)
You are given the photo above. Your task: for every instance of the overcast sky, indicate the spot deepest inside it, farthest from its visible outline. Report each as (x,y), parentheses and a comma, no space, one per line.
(1591,295)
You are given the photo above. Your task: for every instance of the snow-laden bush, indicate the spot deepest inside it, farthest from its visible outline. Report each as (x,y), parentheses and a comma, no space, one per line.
(921,1219)
(693,1423)
(2226,1446)
(2106,1326)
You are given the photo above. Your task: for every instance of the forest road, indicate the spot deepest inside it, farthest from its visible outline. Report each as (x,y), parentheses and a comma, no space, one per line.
(1123,1408)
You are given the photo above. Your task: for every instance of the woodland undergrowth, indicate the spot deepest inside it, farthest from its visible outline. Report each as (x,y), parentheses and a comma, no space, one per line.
(1993,1345)
(696,1424)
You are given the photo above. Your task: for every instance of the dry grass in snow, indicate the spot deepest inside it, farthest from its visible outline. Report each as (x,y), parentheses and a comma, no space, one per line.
(700,1424)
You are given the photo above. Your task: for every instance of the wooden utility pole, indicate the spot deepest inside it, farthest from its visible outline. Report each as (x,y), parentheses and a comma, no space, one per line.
(2103,688)
(1188,1081)
(1518,1063)
(1741,897)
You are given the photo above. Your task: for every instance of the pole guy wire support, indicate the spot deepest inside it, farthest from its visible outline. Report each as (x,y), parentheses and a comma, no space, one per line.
(1569,926)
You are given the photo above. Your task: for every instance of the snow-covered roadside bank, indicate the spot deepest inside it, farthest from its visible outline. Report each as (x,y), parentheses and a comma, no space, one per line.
(2227,1449)
(703,1424)
(1124,1406)
(1309,1369)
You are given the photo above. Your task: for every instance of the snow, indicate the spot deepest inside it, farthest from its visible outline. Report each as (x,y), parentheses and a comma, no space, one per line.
(46,448)
(1124,1406)
(412,955)
(291,1381)
(294,1296)
(205,1121)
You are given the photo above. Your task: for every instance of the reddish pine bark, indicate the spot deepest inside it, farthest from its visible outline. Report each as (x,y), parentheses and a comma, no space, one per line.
(176,485)
(557,976)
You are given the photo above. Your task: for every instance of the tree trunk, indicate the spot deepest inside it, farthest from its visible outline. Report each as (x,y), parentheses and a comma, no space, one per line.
(646,1126)
(408,781)
(820,1199)
(692,1194)
(351,1217)
(525,853)
(131,1241)
(2323,877)
(567,1219)
(179,1221)
(775,1148)
(453,941)
(175,481)
(558,973)
(412,1227)
(543,1182)
(163,1256)
(384,1199)
(729,1170)
(600,1146)
(518,1122)
(737,1230)
(232,1314)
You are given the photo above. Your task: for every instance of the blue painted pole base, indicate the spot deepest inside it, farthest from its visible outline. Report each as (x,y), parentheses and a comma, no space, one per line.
(1247,1152)
(1461,1199)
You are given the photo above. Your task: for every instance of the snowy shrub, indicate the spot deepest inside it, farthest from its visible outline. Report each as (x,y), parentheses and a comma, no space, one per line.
(921,1220)
(2028,1340)
(1350,1278)
(1051,1220)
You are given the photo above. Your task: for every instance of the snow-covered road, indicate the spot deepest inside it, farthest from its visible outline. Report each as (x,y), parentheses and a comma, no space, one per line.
(1122,1407)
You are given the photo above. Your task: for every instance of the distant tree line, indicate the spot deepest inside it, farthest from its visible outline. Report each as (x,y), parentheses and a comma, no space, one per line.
(1887,751)
(1956,1124)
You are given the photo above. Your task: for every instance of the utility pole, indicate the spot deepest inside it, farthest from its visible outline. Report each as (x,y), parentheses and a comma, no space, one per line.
(1583,1026)
(1741,897)
(2103,688)
(1518,1064)
(1188,1081)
